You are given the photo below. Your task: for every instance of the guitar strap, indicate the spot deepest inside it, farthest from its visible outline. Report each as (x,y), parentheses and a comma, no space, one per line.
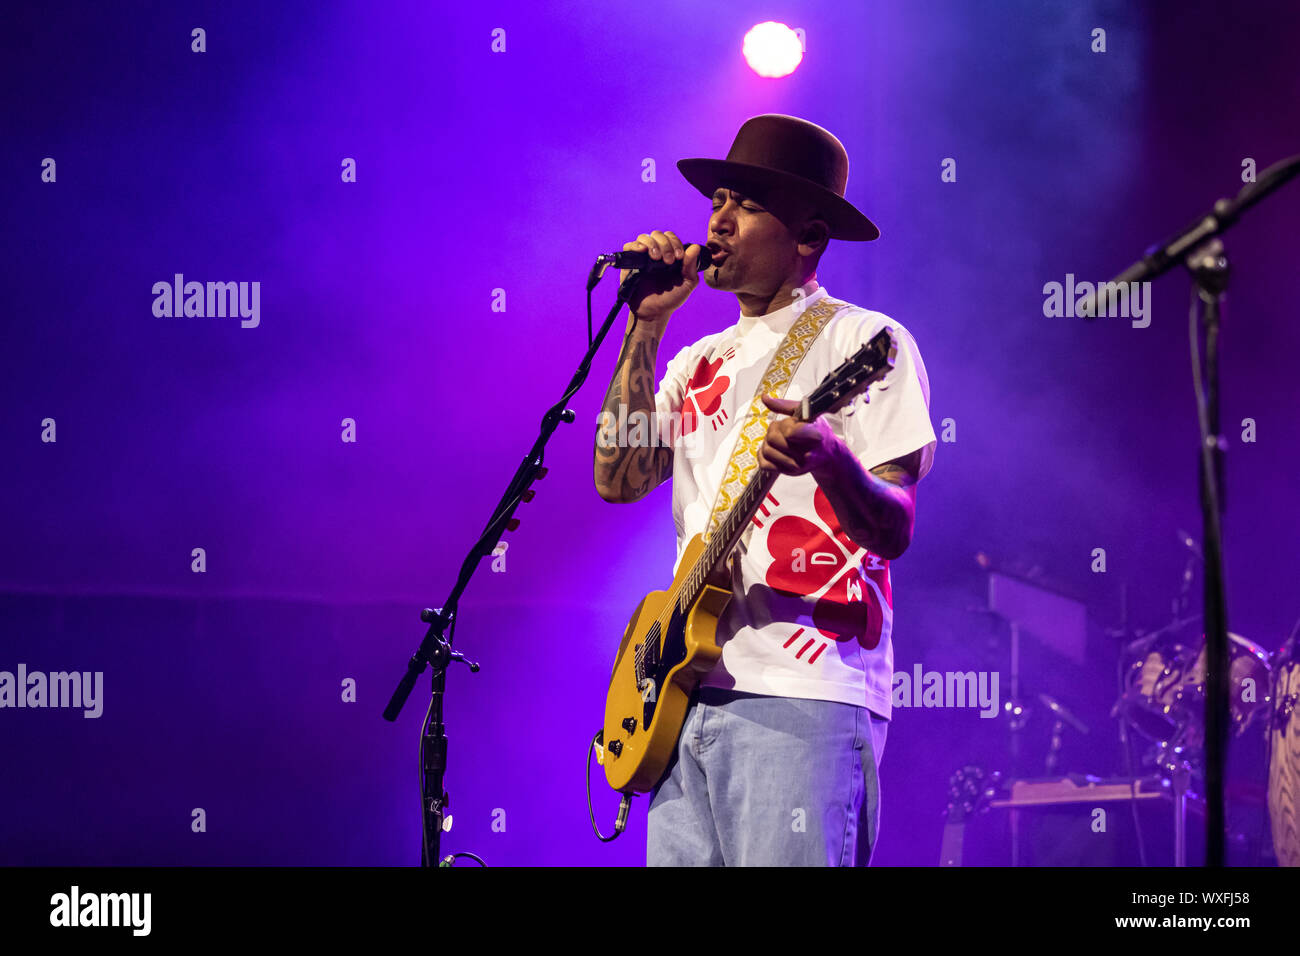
(780,373)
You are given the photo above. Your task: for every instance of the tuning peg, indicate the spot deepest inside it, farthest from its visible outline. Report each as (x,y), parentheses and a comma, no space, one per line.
(541,473)
(529,495)
(512,524)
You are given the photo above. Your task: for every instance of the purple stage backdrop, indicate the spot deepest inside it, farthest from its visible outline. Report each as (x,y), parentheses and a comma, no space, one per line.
(235,520)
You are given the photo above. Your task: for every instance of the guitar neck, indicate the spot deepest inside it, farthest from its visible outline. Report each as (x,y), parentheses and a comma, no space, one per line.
(851,378)
(728,535)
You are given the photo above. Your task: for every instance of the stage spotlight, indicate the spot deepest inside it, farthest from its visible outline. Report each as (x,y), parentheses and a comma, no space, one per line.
(772,49)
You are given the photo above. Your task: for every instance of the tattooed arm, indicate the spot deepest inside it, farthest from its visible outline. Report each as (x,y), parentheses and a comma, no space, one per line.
(624,473)
(876,508)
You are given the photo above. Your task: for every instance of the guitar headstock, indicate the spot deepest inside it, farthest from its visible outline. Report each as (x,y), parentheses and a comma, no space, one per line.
(868,364)
(970,791)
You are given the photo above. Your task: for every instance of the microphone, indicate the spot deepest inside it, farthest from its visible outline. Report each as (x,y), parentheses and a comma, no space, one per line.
(630,259)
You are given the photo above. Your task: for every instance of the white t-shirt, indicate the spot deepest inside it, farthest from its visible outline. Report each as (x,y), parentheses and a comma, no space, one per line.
(811,614)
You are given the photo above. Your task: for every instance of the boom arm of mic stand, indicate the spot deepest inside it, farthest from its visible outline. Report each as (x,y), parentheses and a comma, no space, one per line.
(1164,256)
(436,651)
(524,477)
(1199,248)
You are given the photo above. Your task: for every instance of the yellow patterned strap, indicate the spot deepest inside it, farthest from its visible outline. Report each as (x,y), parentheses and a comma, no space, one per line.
(780,373)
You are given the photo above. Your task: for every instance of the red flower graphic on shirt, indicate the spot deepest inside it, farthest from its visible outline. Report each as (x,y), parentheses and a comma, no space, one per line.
(816,559)
(704,393)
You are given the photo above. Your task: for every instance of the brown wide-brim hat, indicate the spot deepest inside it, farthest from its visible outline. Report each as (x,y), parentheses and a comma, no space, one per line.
(776,156)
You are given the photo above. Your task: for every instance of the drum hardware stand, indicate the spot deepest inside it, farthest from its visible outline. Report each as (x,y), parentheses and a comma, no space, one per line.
(1177,773)
(1018,713)
(1198,247)
(1173,764)
(1015,707)
(1061,716)
(1054,746)
(1183,603)
(1019,716)
(1127,646)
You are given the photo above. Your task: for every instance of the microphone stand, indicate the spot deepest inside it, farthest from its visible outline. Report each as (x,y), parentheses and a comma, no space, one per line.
(1209,267)
(1199,248)
(435,649)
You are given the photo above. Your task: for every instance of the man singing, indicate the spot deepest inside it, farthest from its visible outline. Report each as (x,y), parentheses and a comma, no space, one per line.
(777,761)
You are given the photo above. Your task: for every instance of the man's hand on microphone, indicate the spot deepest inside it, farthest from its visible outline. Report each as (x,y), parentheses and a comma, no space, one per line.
(660,292)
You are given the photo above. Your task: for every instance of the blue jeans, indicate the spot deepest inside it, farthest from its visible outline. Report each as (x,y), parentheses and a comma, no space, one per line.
(769,781)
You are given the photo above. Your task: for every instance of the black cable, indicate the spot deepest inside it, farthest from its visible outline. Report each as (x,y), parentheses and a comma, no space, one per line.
(505,508)
(424,822)
(1198,387)
(424,728)
(623,805)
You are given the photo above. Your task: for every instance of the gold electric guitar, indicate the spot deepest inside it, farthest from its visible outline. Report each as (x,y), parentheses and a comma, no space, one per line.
(670,642)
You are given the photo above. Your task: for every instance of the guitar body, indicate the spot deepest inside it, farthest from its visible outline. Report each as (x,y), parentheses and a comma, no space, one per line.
(671,641)
(661,659)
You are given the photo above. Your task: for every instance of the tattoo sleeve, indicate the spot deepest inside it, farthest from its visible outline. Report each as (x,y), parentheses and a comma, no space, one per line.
(627,467)
(875,508)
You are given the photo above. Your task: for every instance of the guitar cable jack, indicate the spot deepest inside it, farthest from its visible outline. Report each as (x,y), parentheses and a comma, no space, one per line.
(624,805)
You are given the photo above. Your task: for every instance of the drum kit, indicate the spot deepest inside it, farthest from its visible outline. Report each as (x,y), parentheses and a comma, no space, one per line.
(1163,700)
(1161,686)
(1164,694)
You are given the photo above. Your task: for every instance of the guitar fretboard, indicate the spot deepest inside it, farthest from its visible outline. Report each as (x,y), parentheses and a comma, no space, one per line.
(866,365)
(726,537)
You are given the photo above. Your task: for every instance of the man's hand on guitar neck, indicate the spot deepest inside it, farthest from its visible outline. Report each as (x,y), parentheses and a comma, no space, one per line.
(875,508)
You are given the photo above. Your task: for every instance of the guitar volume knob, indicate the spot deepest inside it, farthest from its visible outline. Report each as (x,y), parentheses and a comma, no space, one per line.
(629,724)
